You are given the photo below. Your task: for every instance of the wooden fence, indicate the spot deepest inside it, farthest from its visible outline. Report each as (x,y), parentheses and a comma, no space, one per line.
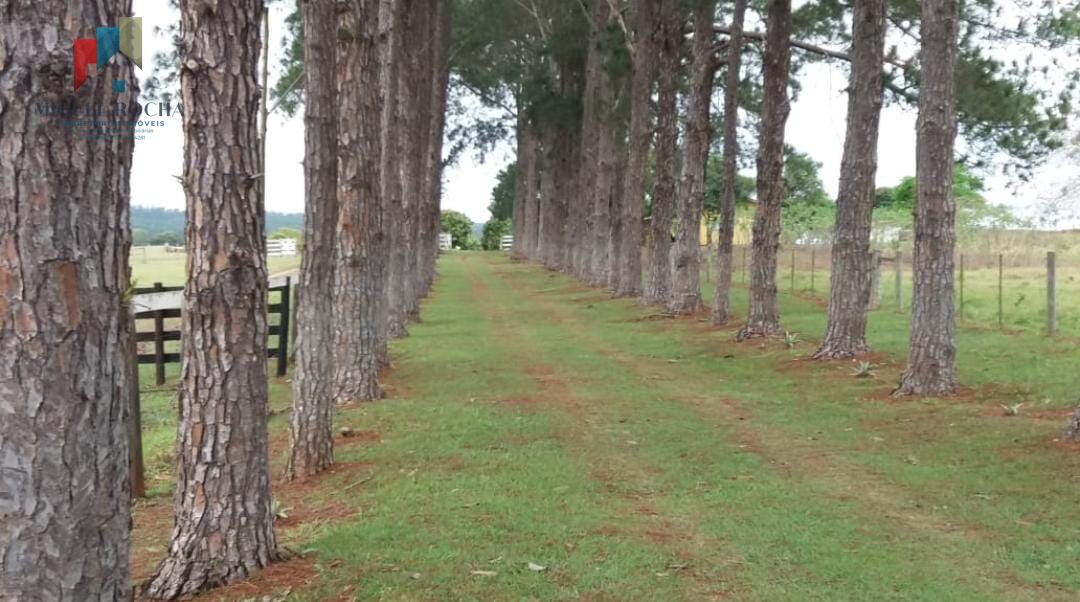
(160,332)
(1025,276)
(159,304)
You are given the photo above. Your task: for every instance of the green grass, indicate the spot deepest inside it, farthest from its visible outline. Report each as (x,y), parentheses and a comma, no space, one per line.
(1023,288)
(532,420)
(153,264)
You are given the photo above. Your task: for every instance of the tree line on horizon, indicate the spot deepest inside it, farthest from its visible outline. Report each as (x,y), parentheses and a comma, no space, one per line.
(161,226)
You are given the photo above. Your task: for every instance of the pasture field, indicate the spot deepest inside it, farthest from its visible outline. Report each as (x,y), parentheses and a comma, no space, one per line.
(153,264)
(1023,282)
(541,441)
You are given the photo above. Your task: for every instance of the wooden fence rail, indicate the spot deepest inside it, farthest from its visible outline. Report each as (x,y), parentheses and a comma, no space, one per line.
(159,335)
(160,303)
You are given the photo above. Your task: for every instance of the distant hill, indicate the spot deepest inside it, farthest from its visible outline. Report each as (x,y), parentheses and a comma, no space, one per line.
(155,225)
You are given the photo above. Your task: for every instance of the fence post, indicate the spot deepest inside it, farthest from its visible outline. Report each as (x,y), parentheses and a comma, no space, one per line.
(792,269)
(744,264)
(159,343)
(875,279)
(283,329)
(961,285)
(899,279)
(135,451)
(1001,290)
(813,266)
(1051,315)
(292,322)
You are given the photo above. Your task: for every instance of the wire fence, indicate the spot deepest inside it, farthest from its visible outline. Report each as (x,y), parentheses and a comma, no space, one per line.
(1029,289)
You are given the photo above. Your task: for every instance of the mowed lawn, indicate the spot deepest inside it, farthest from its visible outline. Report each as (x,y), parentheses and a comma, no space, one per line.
(541,441)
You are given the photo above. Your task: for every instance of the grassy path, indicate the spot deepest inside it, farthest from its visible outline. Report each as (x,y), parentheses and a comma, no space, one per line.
(634,457)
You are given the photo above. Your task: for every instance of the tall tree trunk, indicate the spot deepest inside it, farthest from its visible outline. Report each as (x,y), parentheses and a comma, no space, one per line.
(311,440)
(517,217)
(568,149)
(628,256)
(685,285)
(439,81)
(618,130)
(932,345)
(64,325)
(401,97)
(658,279)
(224,525)
(726,228)
(419,54)
(528,163)
(617,196)
(600,149)
(389,58)
(763,318)
(553,206)
(849,290)
(360,244)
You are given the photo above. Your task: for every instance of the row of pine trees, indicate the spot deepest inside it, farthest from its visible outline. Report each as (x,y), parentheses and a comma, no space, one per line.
(376,79)
(581,177)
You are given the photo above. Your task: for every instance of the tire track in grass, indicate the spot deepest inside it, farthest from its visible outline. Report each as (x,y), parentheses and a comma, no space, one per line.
(804,461)
(687,547)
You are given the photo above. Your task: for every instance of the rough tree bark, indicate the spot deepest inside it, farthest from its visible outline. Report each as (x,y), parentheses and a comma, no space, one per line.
(552,205)
(586,193)
(598,150)
(419,57)
(568,148)
(763,318)
(721,312)
(400,102)
(849,288)
(627,259)
(658,278)
(932,344)
(360,242)
(618,195)
(64,325)
(224,525)
(311,439)
(685,286)
(390,25)
(438,79)
(517,217)
(528,164)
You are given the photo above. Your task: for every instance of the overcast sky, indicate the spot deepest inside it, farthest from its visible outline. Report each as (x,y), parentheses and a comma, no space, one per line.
(816,126)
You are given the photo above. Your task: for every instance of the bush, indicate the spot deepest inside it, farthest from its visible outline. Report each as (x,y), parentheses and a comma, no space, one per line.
(460,228)
(494,230)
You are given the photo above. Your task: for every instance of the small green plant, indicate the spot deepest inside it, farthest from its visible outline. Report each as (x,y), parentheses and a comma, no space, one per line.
(278,509)
(791,339)
(864,370)
(1012,410)
(129,292)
